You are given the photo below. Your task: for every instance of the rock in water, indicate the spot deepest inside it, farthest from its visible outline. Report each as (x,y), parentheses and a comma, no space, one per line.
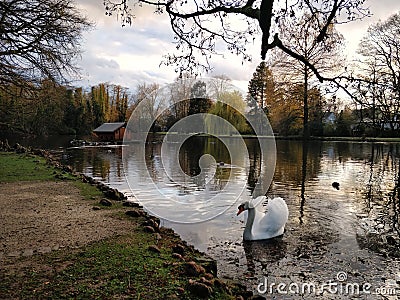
(209,264)
(131,204)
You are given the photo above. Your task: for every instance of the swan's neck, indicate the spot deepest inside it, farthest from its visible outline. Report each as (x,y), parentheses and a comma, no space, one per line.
(247,235)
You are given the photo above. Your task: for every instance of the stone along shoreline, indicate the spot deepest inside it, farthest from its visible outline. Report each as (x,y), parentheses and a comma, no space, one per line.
(65,235)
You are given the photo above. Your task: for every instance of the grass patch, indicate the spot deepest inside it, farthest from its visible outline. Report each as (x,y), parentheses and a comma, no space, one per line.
(89,192)
(28,167)
(24,167)
(119,267)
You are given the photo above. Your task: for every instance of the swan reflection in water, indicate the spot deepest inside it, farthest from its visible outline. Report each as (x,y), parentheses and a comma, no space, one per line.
(261,253)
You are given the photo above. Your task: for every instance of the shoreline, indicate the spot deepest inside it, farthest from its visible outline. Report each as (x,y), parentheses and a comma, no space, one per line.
(298,137)
(40,142)
(196,270)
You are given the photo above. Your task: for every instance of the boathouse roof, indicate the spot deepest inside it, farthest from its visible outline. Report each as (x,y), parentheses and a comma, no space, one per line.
(109,127)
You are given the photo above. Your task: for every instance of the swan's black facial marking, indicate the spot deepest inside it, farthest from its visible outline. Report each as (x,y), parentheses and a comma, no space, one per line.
(240,209)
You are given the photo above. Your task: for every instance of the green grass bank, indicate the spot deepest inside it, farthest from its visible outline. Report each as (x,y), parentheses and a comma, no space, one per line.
(148,262)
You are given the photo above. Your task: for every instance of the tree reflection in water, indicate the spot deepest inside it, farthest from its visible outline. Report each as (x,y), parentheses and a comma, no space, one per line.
(380,221)
(328,230)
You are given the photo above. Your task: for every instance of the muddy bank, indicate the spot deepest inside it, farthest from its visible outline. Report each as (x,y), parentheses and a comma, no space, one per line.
(38,217)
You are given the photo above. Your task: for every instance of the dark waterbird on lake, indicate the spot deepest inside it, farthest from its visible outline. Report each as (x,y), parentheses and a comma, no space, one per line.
(335,185)
(264,225)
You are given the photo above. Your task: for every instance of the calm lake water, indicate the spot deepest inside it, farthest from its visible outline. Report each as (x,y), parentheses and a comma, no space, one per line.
(353,231)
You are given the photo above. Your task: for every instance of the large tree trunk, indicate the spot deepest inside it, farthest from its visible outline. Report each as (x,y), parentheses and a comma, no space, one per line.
(306,128)
(265,24)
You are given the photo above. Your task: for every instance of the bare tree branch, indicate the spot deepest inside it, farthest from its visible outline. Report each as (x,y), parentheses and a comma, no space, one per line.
(39,39)
(199,25)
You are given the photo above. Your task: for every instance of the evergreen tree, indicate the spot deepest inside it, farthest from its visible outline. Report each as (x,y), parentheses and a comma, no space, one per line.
(84,112)
(199,101)
(100,103)
(262,86)
(72,114)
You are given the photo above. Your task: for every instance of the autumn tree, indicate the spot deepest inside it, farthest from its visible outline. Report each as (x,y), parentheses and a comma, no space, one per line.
(201,27)
(118,103)
(326,57)
(286,111)
(50,108)
(46,108)
(39,40)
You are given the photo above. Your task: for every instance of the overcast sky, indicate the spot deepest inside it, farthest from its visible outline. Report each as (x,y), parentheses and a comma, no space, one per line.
(132,54)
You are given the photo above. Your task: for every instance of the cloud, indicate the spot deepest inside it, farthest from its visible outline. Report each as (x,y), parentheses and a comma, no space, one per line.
(107,64)
(132,54)
(139,49)
(124,55)
(354,31)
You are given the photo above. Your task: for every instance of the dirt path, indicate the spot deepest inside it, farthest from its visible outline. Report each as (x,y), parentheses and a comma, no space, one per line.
(38,217)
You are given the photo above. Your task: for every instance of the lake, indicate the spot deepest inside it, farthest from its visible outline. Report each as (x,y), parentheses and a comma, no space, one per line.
(342,237)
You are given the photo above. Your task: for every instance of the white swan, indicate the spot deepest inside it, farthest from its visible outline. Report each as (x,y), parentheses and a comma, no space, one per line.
(260,225)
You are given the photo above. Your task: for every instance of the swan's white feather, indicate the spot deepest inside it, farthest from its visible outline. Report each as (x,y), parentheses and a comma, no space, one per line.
(267,224)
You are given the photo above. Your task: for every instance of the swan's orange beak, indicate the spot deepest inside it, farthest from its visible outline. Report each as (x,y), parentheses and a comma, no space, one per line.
(241,209)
